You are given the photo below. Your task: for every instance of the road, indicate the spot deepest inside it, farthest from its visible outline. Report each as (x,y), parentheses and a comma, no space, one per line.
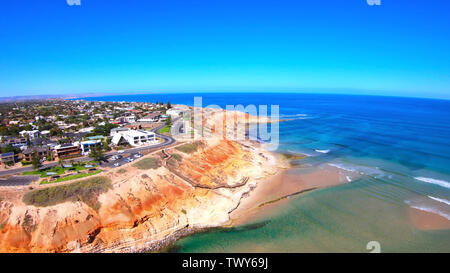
(168,140)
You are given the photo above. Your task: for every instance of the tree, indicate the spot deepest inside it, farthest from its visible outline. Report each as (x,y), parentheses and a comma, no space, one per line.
(60,162)
(9,148)
(169,120)
(36,160)
(97,153)
(169,105)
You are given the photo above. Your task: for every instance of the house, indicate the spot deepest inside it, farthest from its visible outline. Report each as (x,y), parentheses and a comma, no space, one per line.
(152,117)
(134,138)
(86,130)
(17,142)
(8,158)
(129,119)
(43,152)
(88,145)
(68,150)
(118,140)
(31,134)
(117,130)
(174,112)
(141,125)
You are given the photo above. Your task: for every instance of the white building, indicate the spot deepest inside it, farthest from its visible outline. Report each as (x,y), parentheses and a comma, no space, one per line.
(86,130)
(87,145)
(32,134)
(174,112)
(134,137)
(129,119)
(118,130)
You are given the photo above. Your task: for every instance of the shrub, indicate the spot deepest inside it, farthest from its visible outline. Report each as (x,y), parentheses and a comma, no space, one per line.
(86,191)
(188,147)
(177,157)
(147,163)
(24,162)
(121,171)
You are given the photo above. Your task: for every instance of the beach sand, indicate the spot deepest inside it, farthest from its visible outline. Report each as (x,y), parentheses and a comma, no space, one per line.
(424,220)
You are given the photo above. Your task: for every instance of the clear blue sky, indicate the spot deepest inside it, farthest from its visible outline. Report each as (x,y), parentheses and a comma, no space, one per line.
(399,48)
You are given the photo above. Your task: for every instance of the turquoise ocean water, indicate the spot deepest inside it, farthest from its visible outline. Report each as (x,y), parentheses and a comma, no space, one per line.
(400,147)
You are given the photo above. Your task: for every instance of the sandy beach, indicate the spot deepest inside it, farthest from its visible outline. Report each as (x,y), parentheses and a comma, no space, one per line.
(424,220)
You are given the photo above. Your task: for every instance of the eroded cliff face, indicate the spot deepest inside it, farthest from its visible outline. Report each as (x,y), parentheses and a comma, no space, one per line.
(144,207)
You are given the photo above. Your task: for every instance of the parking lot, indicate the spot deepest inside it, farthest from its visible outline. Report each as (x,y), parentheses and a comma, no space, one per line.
(121,159)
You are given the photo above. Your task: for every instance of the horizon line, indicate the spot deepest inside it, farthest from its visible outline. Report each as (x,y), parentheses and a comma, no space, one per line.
(134,93)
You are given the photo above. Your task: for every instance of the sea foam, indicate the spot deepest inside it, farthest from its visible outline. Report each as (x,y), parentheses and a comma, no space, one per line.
(429,209)
(323,151)
(441,183)
(445,201)
(363,170)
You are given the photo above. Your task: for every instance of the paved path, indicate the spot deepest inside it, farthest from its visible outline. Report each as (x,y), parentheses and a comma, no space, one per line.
(168,140)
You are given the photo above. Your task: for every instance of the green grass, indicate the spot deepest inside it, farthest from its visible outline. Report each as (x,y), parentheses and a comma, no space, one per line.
(188,148)
(147,163)
(86,191)
(58,170)
(177,157)
(43,173)
(72,177)
(174,160)
(165,129)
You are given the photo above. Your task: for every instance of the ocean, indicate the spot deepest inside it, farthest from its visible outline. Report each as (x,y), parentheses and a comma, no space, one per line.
(399,149)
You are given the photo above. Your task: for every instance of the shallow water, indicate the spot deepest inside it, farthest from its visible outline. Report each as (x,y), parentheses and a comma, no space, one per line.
(398,149)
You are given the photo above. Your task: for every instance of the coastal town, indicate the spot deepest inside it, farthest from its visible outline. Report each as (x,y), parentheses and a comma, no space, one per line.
(80,176)
(58,140)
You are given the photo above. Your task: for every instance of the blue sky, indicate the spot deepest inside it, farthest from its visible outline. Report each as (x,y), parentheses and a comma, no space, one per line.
(399,48)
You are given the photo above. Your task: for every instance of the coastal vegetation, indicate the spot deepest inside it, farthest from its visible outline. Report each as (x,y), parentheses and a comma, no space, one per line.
(189,148)
(177,157)
(147,163)
(86,191)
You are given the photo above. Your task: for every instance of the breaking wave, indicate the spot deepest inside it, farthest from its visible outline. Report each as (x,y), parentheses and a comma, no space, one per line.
(441,183)
(445,201)
(363,170)
(429,209)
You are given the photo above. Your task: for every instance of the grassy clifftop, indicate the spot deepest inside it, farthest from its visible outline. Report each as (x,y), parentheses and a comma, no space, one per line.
(86,190)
